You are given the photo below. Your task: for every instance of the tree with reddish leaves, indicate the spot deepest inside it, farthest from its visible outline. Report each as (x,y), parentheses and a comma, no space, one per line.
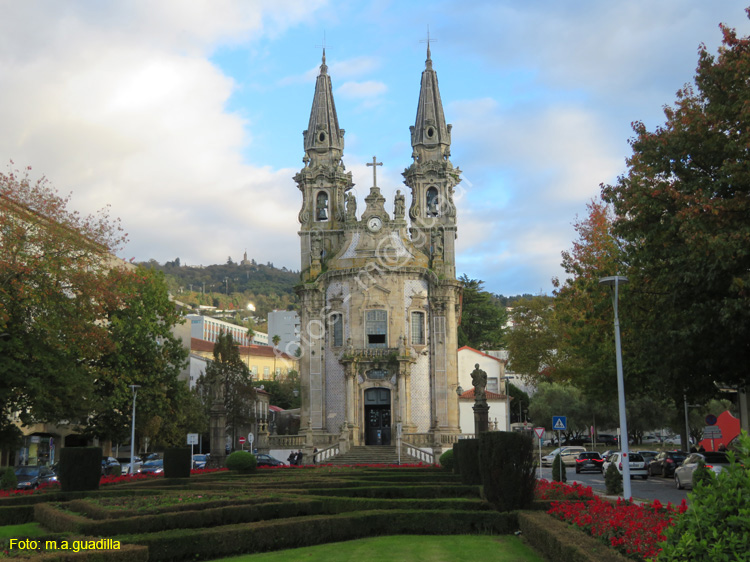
(54,288)
(683,212)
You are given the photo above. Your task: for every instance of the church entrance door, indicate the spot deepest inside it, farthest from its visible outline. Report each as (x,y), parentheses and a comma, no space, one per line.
(377,416)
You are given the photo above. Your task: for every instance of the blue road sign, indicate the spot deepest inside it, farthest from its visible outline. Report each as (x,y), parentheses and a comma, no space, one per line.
(559,423)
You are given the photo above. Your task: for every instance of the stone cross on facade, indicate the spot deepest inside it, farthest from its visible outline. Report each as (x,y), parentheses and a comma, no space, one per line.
(374,165)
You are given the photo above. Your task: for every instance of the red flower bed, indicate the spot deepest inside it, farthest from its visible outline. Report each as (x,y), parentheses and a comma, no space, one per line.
(635,530)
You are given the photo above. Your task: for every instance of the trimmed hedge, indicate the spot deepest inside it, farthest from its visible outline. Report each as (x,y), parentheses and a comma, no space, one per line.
(281,534)
(126,553)
(394,492)
(16,515)
(468,459)
(80,468)
(557,540)
(177,462)
(506,462)
(242,461)
(446,460)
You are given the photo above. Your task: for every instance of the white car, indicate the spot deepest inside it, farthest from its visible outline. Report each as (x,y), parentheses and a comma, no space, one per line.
(714,461)
(651,439)
(568,455)
(637,464)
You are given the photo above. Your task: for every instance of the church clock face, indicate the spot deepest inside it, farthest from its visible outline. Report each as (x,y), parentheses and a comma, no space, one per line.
(374,224)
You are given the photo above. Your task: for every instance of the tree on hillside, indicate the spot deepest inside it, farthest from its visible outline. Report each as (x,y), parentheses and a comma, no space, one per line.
(683,209)
(145,352)
(482,318)
(54,290)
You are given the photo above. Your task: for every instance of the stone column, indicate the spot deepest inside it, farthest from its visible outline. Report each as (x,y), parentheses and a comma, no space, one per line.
(218,430)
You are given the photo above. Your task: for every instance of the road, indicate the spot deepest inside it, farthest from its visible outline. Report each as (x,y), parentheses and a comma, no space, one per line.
(655,488)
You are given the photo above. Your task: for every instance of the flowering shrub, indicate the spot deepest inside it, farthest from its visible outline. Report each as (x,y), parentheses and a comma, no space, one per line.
(546,490)
(633,529)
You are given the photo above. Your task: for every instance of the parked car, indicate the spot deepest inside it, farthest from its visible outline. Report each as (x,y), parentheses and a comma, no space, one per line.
(648,456)
(125,464)
(568,455)
(606,439)
(608,453)
(268,460)
(589,460)
(637,464)
(665,463)
(651,438)
(199,461)
(29,477)
(675,440)
(109,464)
(714,461)
(153,467)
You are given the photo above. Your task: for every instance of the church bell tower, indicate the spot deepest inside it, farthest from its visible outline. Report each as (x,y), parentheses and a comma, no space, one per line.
(432,178)
(323,181)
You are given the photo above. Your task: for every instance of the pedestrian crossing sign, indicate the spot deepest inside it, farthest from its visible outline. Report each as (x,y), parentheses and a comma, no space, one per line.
(559,423)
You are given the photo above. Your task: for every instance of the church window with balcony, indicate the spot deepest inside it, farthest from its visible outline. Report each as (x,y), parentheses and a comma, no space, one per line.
(376,328)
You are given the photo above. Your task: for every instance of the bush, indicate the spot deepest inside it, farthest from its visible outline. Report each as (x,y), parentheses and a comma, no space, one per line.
(177,462)
(469,461)
(613,480)
(9,480)
(717,524)
(506,462)
(702,474)
(446,460)
(242,461)
(80,468)
(558,470)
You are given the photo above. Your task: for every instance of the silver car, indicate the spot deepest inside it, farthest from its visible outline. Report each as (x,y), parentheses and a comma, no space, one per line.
(568,455)
(714,461)
(637,464)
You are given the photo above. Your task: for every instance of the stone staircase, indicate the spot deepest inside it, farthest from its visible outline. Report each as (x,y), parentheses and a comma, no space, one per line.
(374,454)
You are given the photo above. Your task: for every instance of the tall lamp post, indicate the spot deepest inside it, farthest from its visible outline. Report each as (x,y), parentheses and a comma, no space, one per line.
(507,402)
(615,281)
(135,388)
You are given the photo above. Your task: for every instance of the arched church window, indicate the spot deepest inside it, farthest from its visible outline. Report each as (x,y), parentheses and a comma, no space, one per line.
(432,202)
(321,206)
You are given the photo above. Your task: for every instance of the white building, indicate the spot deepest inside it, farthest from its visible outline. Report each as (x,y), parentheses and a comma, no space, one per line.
(286,325)
(208,329)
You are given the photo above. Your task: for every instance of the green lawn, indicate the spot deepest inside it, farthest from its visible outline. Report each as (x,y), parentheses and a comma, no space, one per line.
(25,530)
(407,548)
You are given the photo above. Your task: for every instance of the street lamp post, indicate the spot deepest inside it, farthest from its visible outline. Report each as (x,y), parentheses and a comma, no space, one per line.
(615,281)
(134,388)
(507,402)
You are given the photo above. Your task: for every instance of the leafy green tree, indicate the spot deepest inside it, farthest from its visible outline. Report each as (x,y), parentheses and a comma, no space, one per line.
(533,342)
(683,210)
(284,392)
(140,323)
(228,370)
(556,399)
(54,291)
(483,318)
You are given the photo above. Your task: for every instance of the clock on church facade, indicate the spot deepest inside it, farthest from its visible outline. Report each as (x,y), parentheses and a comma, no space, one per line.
(379,299)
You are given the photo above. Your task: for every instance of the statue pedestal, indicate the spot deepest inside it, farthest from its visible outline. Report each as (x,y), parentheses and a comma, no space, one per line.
(481,416)
(218,429)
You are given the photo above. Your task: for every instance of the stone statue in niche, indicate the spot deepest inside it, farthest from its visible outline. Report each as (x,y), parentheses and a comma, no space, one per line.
(479,380)
(321,206)
(399,205)
(316,249)
(437,244)
(351,207)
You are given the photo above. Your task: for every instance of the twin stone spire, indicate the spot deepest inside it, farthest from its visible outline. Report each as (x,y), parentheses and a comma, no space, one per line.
(324,139)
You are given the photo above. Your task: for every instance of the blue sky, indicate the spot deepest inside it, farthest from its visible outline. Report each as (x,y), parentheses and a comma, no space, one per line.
(187,117)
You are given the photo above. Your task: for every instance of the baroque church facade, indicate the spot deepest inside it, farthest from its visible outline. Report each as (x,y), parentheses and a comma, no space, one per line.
(379,298)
